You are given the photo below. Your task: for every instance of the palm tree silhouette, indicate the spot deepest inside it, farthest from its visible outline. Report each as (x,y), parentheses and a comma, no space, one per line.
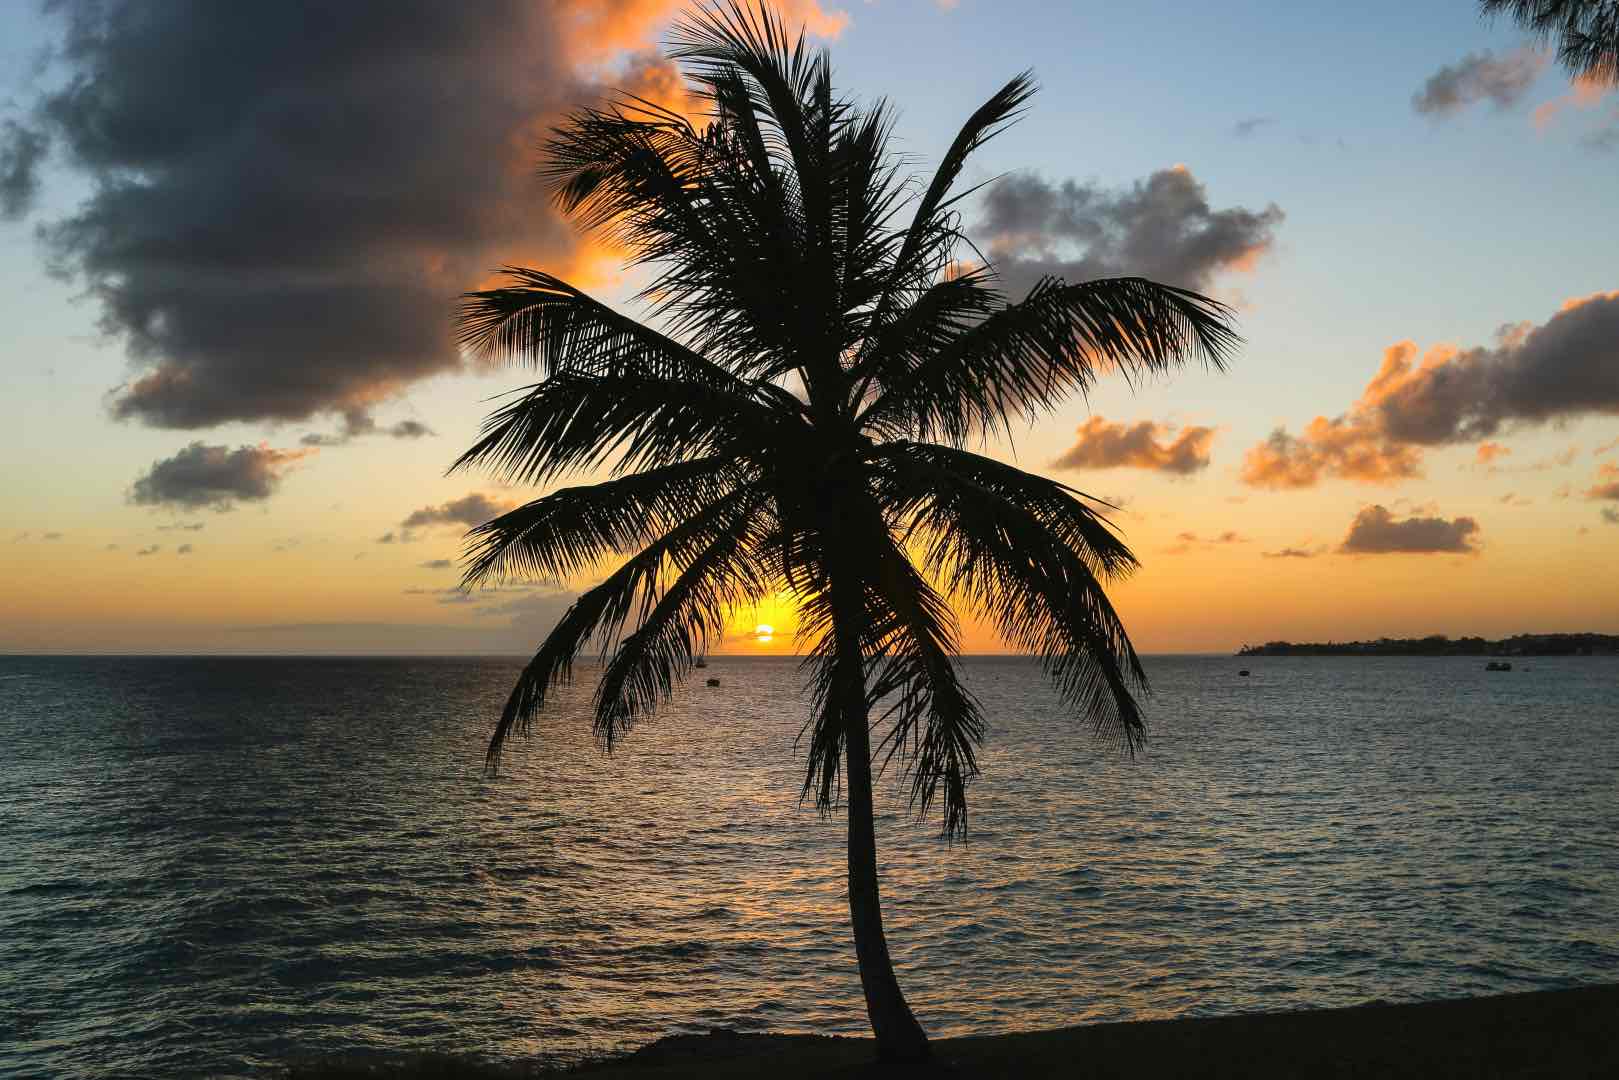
(800,422)
(1587,32)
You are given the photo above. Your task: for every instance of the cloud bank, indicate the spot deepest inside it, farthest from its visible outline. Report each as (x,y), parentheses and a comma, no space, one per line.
(1161,228)
(1145,444)
(214,477)
(285,199)
(1375,531)
(1563,369)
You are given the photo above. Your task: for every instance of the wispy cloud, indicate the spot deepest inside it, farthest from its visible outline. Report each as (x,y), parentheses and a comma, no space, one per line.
(1503,80)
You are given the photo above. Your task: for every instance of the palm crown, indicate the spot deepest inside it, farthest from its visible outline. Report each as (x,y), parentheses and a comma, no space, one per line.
(801,418)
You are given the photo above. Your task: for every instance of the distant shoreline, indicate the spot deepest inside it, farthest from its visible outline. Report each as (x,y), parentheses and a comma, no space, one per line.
(1584,644)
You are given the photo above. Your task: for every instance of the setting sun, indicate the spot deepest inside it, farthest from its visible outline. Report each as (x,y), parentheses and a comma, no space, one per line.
(764,631)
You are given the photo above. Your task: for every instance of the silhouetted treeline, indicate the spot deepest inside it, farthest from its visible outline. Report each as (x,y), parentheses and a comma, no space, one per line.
(1440,645)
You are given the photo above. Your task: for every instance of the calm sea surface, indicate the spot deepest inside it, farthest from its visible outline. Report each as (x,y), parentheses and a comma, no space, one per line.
(208,866)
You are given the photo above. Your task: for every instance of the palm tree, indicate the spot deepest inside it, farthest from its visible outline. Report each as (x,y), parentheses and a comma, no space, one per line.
(800,422)
(1587,32)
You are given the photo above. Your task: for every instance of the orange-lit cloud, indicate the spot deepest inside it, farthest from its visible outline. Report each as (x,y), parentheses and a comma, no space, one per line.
(1561,369)
(1607,483)
(1145,444)
(1488,452)
(1584,92)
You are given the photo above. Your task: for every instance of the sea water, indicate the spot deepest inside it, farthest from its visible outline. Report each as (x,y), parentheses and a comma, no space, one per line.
(212,866)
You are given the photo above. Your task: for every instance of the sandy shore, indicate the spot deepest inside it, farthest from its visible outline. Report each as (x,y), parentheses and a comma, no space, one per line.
(1555,1033)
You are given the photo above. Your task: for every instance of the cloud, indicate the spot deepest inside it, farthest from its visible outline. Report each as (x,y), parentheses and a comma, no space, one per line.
(1610,515)
(181,526)
(1162,228)
(21,152)
(1504,80)
(1605,447)
(1375,531)
(1145,444)
(1243,129)
(152,549)
(284,200)
(1562,369)
(1186,540)
(1584,92)
(1607,483)
(436,564)
(51,536)
(469,510)
(1292,553)
(214,477)
(358,422)
(404,536)
(1487,452)
(184,549)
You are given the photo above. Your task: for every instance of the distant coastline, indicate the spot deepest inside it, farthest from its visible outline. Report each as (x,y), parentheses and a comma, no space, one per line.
(1439,645)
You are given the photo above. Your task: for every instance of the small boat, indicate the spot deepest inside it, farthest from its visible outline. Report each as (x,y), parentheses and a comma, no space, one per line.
(713,682)
(700,662)
(1498,665)
(1243,672)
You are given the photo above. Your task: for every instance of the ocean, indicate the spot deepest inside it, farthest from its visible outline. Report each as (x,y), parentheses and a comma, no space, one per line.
(210,866)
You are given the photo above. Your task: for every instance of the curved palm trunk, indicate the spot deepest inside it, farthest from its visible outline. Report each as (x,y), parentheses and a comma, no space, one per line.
(899,1036)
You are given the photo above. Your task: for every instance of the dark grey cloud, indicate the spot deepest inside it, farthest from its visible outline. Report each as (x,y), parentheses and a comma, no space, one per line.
(214,477)
(1162,228)
(184,549)
(1562,369)
(469,510)
(1503,80)
(1610,515)
(1145,444)
(22,151)
(286,198)
(359,422)
(1375,531)
(436,564)
(1245,128)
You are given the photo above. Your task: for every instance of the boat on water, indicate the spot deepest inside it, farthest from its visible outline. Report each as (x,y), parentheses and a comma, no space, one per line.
(700,662)
(713,682)
(1498,665)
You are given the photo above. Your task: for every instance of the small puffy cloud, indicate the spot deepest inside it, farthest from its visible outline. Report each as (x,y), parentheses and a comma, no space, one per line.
(1185,541)
(436,564)
(51,536)
(183,526)
(214,477)
(1161,228)
(1476,77)
(1562,369)
(1607,483)
(22,150)
(151,549)
(470,510)
(1245,128)
(1489,451)
(1376,531)
(1145,444)
(402,536)
(184,549)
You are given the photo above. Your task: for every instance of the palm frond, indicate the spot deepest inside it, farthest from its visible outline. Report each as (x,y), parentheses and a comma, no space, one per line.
(1025,359)
(1586,32)
(601,613)
(572,531)
(1025,553)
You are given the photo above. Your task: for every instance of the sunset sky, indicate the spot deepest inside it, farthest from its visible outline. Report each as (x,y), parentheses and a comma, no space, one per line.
(231,237)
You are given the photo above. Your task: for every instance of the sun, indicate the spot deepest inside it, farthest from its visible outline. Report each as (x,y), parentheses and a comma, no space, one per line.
(764,631)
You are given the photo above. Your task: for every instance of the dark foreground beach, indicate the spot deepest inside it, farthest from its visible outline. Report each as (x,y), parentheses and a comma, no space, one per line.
(1554,1033)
